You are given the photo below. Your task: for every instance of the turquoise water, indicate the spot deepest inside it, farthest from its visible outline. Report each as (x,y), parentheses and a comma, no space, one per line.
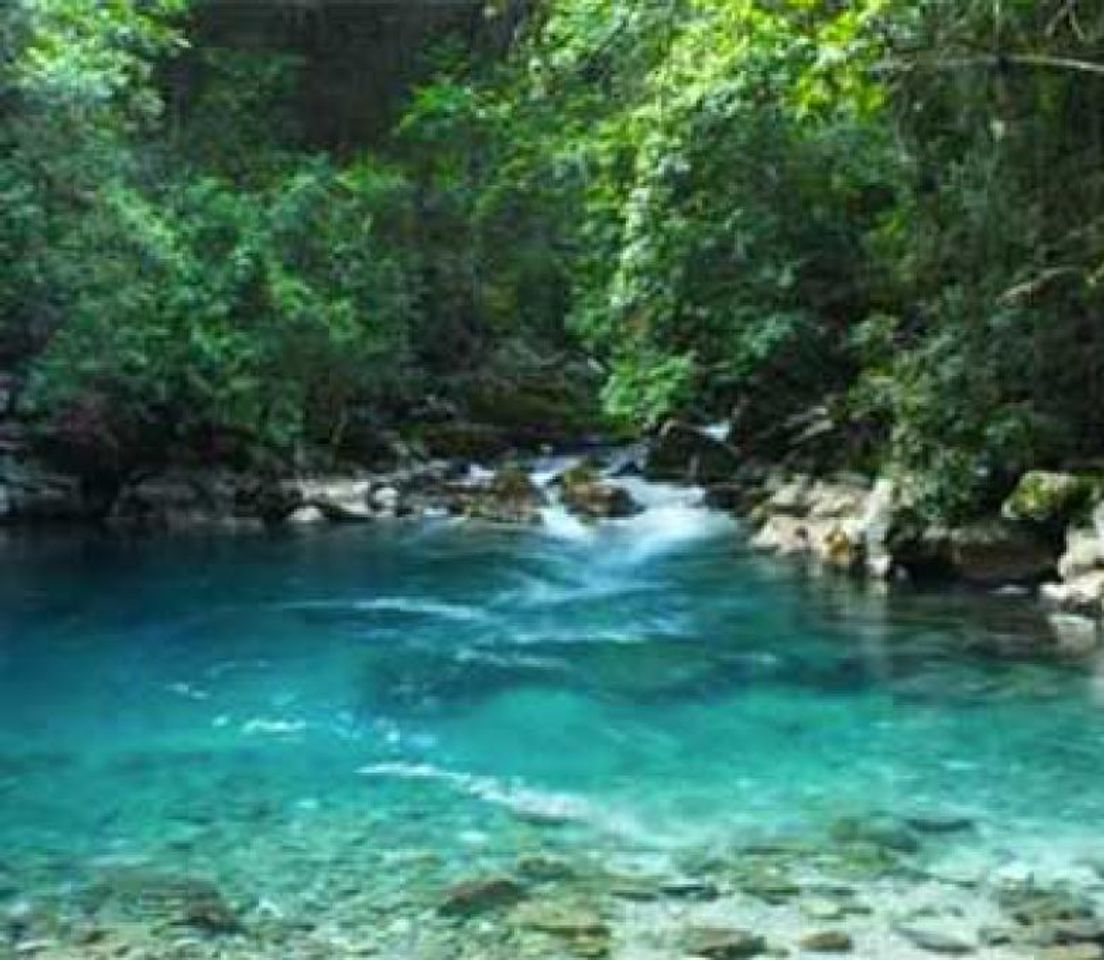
(427,696)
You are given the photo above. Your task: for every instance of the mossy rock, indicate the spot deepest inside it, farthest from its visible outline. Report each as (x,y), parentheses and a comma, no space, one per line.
(1052,500)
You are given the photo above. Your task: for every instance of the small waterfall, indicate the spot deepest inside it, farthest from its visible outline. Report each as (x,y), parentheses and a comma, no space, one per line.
(672,515)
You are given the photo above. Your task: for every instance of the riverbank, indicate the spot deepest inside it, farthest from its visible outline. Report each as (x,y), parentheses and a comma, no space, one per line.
(1045,540)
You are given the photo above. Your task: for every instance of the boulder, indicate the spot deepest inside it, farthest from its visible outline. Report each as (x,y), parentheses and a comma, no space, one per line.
(792,498)
(722,943)
(1075,635)
(177,499)
(788,536)
(843,524)
(934,940)
(1049,499)
(339,499)
(510,497)
(1083,594)
(1084,553)
(686,453)
(996,551)
(877,525)
(31,491)
(387,500)
(827,941)
(585,493)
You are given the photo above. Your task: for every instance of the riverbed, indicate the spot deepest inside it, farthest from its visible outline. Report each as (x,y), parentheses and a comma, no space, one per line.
(315,744)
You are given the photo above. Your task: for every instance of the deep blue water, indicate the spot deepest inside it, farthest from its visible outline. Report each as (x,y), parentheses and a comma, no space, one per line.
(242,702)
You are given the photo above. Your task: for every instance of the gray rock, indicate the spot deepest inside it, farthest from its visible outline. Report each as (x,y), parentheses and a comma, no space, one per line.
(722,943)
(689,888)
(995,552)
(939,823)
(879,831)
(1073,951)
(934,940)
(683,452)
(470,897)
(570,921)
(827,941)
(340,499)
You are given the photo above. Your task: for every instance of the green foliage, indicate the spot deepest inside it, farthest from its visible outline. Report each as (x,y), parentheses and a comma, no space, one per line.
(880,219)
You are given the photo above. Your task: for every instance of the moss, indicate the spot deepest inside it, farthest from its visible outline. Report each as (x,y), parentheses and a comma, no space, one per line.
(1051,499)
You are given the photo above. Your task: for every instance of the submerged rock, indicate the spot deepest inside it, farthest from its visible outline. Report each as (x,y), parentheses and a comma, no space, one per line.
(827,941)
(934,939)
(1073,951)
(939,823)
(206,910)
(545,867)
(470,897)
(571,921)
(722,943)
(883,832)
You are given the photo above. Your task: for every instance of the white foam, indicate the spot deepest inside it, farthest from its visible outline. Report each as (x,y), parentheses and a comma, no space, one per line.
(557,522)
(524,801)
(270,727)
(414,606)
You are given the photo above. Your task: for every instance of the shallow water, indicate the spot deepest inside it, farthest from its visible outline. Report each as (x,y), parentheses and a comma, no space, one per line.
(417,699)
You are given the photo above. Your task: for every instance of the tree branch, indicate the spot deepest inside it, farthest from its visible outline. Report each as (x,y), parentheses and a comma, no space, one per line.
(1040,61)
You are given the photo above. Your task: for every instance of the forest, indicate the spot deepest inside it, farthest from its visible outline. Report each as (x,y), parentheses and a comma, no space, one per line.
(868,235)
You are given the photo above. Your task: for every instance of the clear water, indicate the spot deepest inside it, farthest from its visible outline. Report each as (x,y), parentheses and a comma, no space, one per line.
(425,697)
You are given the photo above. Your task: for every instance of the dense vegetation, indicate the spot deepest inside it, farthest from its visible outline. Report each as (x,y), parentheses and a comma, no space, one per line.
(871,234)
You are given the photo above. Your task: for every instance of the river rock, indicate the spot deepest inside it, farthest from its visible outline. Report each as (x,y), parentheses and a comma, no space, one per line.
(684,452)
(340,499)
(207,911)
(585,493)
(885,832)
(32,491)
(570,921)
(939,823)
(877,525)
(510,497)
(1073,951)
(1082,595)
(771,886)
(995,552)
(1084,553)
(689,888)
(1049,499)
(182,498)
(827,941)
(386,500)
(722,943)
(545,867)
(469,897)
(934,940)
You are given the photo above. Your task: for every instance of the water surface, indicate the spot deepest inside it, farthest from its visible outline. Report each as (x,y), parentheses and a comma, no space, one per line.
(429,697)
